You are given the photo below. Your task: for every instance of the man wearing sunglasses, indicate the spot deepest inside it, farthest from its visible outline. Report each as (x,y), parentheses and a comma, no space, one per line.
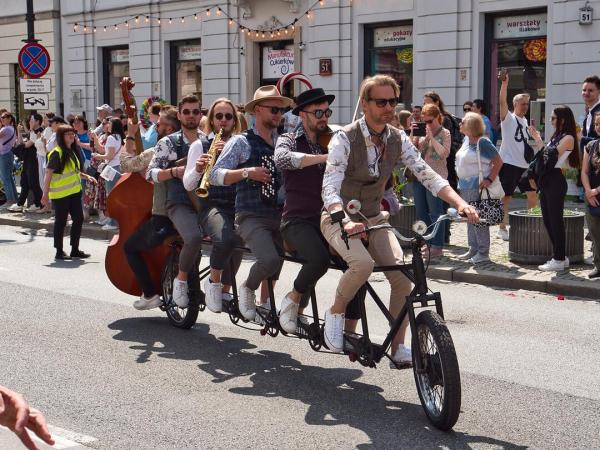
(217,211)
(180,209)
(361,159)
(258,218)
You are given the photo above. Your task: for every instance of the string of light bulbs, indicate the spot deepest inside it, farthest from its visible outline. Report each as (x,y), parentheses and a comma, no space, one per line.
(91,26)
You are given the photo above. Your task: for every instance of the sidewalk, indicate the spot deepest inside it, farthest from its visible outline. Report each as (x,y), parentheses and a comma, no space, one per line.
(499,272)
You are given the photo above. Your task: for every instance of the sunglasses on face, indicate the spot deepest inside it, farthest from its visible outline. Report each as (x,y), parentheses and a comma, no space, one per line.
(228,116)
(274,109)
(467,109)
(319,113)
(428,121)
(187,112)
(381,102)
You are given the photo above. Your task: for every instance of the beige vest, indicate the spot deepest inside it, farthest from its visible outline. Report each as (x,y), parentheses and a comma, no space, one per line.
(358,184)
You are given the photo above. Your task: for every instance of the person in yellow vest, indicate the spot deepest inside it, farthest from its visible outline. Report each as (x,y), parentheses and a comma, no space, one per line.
(62,185)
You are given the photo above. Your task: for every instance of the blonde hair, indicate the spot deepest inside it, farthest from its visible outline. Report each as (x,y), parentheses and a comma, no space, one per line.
(519,97)
(432,110)
(211,114)
(473,123)
(403,116)
(377,80)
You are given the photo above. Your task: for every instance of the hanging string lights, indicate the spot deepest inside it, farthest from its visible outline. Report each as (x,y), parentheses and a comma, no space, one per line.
(219,11)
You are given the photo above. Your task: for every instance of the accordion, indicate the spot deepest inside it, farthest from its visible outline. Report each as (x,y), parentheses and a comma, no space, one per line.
(268,191)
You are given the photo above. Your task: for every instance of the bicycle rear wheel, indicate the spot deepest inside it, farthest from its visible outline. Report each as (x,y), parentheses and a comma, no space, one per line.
(438,383)
(178,317)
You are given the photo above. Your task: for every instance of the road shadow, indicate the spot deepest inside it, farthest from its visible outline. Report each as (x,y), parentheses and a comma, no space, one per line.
(68,264)
(334,396)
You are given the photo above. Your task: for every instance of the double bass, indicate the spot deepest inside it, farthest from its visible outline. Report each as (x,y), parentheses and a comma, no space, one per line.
(130,204)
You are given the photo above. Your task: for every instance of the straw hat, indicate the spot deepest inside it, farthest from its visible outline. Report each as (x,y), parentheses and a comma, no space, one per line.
(269,92)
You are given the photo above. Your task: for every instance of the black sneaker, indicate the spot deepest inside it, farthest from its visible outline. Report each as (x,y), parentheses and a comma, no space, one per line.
(79,254)
(61,255)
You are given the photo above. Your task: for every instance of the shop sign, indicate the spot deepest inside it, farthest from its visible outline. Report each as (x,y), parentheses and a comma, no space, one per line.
(520,26)
(393,36)
(190,52)
(277,63)
(119,56)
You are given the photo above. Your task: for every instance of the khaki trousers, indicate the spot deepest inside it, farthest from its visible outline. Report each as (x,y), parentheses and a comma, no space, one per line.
(383,250)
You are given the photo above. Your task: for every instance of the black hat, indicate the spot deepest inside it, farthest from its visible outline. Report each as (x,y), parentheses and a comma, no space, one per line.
(57,119)
(311,97)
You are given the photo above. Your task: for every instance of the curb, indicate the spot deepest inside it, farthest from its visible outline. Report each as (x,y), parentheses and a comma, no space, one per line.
(526,281)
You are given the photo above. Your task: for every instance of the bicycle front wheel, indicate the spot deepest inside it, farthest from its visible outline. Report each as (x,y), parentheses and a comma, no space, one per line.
(438,381)
(178,317)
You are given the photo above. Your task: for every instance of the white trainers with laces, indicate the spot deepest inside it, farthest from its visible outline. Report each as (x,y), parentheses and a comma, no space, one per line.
(502,234)
(213,295)
(247,302)
(553,266)
(288,315)
(333,332)
(402,358)
(467,256)
(144,303)
(15,208)
(589,261)
(478,258)
(180,293)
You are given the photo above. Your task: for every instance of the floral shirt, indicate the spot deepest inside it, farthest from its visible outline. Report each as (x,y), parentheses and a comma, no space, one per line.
(286,156)
(339,152)
(164,157)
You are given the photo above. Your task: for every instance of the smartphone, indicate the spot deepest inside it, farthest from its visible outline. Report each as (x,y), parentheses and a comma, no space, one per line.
(419,129)
(503,73)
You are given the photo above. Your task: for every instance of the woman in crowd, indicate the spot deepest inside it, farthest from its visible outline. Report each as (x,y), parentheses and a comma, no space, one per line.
(7,158)
(94,196)
(434,148)
(467,169)
(590,178)
(80,125)
(62,185)
(401,119)
(479,108)
(110,152)
(553,185)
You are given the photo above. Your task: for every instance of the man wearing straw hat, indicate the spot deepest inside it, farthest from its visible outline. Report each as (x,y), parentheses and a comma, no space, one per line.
(257,217)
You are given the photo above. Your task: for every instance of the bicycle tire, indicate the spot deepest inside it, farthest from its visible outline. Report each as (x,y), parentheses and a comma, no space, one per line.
(183,318)
(440,371)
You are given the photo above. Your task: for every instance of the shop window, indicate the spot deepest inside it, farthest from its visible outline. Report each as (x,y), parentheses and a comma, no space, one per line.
(116,66)
(186,69)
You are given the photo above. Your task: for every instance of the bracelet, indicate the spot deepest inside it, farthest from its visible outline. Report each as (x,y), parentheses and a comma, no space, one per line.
(489,179)
(171,172)
(130,138)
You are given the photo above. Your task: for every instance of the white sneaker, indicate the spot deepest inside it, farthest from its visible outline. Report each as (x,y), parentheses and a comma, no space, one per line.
(32,209)
(467,256)
(109,227)
(15,208)
(144,303)
(103,220)
(213,295)
(402,358)
(333,332)
(180,293)
(247,302)
(589,261)
(567,262)
(288,315)
(502,234)
(553,266)
(478,258)
(227,296)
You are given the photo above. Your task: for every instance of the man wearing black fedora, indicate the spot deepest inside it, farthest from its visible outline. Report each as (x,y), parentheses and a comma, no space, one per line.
(302,161)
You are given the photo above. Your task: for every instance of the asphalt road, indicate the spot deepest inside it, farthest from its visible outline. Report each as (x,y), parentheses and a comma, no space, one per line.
(108,376)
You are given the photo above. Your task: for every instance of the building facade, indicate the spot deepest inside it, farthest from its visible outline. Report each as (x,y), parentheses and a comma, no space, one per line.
(13,29)
(453,47)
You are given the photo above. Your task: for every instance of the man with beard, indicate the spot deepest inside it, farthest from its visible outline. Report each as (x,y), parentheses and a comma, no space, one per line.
(361,159)
(153,232)
(180,209)
(217,211)
(257,216)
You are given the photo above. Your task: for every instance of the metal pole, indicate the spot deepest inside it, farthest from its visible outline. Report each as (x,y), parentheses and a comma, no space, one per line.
(30,17)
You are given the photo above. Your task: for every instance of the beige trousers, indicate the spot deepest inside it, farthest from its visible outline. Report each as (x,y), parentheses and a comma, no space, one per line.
(383,250)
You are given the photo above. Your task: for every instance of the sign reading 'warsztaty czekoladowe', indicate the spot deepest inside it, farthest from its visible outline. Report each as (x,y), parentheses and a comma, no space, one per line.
(528,25)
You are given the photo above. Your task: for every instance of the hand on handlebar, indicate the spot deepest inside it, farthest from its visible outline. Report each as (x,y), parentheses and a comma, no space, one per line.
(355,230)
(469,212)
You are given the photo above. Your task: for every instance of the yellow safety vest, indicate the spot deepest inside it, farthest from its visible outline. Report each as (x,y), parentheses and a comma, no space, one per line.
(66,183)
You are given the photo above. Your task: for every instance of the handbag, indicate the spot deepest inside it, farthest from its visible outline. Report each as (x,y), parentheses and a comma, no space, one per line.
(494,190)
(490,209)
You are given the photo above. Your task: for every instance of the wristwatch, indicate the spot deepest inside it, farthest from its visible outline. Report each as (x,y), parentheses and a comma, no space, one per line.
(130,138)
(245,173)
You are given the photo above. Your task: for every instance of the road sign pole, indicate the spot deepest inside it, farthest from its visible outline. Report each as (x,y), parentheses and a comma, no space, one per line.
(30,17)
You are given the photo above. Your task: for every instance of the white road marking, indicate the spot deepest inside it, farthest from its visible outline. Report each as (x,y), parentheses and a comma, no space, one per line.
(67,439)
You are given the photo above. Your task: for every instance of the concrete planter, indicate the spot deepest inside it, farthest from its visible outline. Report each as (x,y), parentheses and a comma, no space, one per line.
(529,242)
(404,221)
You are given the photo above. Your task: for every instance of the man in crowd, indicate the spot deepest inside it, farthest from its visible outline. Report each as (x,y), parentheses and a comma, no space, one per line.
(590,91)
(258,215)
(515,150)
(104,111)
(416,113)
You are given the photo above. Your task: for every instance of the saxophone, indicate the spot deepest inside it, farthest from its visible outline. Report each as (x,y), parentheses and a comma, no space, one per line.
(202,190)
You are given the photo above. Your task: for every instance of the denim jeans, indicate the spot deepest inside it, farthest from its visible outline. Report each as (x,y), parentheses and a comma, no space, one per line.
(477,237)
(7,162)
(428,209)
(109,187)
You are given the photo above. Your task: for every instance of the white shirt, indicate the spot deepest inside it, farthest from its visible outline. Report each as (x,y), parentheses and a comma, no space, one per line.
(514,132)
(113,142)
(38,143)
(589,120)
(191,177)
(51,141)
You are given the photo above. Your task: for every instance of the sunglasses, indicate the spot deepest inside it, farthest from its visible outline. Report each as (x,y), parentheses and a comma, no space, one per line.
(428,122)
(187,112)
(319,113)
(274,109)
(467,109)
(381,102)
(228,116)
